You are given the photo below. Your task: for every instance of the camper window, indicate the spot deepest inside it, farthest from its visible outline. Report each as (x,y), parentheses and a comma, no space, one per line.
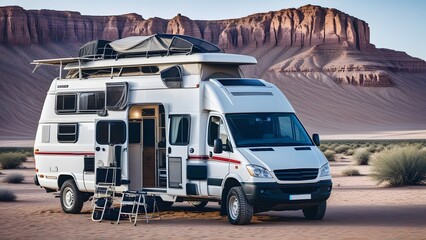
(66,103)
(116,96)
(67,132)
(179,129)
(110,132)
(90,102)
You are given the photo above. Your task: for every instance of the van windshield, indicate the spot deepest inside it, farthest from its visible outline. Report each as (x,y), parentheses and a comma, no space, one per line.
(267,129)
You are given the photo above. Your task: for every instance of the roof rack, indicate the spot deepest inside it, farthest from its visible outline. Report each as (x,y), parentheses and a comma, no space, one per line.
(135,46)
(146,46)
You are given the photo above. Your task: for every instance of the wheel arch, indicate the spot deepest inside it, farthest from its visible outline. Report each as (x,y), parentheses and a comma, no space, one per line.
(64,177)
(230,182)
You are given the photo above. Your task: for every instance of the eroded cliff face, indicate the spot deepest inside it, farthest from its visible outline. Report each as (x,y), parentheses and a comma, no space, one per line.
(305,26)
(306,39)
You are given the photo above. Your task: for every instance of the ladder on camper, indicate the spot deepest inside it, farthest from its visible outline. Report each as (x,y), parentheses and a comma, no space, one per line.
(103,197)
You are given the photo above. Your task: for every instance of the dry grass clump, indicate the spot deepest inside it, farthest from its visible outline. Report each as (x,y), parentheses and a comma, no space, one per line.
(400,166)
(361,156)
(10,160)
(341,148)
(349,152)
(7,195)
(351,172)
(14,178)
(330,155)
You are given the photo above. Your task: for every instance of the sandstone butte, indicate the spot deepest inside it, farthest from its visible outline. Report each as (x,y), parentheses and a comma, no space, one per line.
(331,41)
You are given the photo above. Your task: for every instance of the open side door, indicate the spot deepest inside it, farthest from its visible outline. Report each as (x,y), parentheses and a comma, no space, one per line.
(110,151)
(177,153)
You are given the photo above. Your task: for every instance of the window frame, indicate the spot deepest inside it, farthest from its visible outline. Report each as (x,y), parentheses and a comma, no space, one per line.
(109,132)
(66,111)
(188,116)
(75,124)
(89,110)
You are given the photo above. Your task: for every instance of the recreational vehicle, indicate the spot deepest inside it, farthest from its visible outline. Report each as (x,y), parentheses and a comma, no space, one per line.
(172,116)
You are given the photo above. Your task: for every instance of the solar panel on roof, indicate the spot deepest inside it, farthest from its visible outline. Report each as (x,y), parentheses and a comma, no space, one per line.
(241,82)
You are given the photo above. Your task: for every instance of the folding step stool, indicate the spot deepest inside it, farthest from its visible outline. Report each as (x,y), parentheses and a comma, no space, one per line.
(131,201)
(102,200)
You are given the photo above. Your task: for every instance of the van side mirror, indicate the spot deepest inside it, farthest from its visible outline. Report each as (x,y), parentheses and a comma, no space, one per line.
(316,139)
(218,146)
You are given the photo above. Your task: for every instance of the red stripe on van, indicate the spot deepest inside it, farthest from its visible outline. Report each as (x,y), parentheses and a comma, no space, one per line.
(66,153)
(214,158)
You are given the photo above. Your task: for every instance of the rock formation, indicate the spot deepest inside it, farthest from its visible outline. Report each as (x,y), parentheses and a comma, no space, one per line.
(314,55)
(305,26)
(321,39)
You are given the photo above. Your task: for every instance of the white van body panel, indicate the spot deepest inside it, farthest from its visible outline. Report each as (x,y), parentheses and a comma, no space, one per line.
(199,97)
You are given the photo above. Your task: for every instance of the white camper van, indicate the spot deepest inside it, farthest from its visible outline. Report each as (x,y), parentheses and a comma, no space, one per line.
(172,116)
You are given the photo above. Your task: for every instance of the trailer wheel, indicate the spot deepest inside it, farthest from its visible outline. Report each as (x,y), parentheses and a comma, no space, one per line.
(239,209)
(198,204)
(71,198)
(316,212)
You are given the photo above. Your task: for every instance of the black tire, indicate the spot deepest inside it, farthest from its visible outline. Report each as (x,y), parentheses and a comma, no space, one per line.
(198,204)
(238,208)
(71,198)
(316,212)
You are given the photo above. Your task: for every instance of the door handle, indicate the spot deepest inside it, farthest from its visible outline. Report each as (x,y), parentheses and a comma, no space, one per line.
(210,154)
(169,150)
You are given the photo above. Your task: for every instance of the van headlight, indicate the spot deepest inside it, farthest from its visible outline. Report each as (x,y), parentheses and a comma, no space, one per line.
(258,171)
(325,170)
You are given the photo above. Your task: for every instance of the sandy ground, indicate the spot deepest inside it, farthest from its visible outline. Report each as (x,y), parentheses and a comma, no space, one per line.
(357,209)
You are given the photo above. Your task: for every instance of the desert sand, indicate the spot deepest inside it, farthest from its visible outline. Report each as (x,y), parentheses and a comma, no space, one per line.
(357,209)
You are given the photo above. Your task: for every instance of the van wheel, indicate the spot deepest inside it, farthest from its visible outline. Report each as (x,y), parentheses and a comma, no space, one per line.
(239,209)
(71,198)
(316,212)
(198,204)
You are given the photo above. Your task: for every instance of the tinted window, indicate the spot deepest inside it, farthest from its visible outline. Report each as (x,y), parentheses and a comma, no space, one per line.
(267,129)
(116,96)
(179,130)
(134,132)
(91,101)
(111,132)
(217,130)
(66,103)
(67,132)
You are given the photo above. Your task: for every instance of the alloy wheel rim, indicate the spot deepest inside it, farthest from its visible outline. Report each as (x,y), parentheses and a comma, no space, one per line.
(68,198)
(233,207)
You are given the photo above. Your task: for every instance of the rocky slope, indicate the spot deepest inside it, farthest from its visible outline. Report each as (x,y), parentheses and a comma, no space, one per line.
(321,58)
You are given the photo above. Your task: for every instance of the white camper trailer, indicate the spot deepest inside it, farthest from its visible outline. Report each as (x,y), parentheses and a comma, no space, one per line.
(172,116)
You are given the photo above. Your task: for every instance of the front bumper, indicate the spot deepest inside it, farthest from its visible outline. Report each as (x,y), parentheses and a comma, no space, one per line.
(274,196)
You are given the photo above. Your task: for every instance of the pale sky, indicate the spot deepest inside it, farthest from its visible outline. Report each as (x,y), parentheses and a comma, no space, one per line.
(394,24)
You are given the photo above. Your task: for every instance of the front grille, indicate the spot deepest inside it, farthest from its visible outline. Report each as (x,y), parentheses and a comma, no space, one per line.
(296,174)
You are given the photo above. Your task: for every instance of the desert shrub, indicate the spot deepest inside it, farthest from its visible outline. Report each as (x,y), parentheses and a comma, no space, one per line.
(7,195)
(361,156)
(350,152)
(333,146)
(372,149)
(400,166)
(329,155)
(341,148)
(29,154)
(14,178)
(323,148)
(351,172)
(11,160)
